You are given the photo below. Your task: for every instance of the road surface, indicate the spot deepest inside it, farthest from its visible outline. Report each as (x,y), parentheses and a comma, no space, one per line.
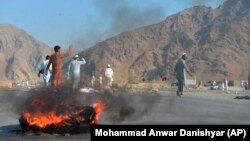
(164,107)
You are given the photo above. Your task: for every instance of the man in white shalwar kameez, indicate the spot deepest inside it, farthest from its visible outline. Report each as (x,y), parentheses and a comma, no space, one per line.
(74,71)
(109,74)
(46,77)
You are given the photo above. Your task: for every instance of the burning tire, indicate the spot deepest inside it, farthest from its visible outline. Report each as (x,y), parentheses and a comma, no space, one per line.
(76,123)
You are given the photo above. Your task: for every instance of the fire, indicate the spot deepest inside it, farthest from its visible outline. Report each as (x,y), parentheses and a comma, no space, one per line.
(42,120)
(99,107)
(60,115)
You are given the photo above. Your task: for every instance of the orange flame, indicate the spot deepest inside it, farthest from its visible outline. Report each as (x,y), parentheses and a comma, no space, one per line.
(51,117)
(42,120)
(99,107)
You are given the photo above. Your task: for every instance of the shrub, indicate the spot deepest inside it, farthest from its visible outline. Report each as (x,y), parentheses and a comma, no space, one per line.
(126,86)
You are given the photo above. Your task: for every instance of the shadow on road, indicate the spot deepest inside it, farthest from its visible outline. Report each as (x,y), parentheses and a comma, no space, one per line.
(10,128)
(242,97)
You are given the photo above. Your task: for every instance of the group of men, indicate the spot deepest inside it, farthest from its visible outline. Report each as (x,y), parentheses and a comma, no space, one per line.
(51,69)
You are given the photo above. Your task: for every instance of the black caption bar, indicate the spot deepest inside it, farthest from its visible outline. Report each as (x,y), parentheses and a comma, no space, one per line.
(207,132)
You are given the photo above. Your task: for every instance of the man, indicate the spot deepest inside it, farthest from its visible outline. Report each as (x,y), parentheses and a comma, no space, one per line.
(223,86)
(100,81)
(109,74)
(180,72)
(242,85)
(74,71)
(56,62)
(93,81)
(226,86)
(46,78)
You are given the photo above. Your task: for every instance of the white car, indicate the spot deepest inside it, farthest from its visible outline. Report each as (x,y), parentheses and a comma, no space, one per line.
(214,87)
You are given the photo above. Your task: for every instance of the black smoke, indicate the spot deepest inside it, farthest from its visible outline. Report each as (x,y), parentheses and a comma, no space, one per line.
(119,16)
(121,105)
(124,106)
(113,17)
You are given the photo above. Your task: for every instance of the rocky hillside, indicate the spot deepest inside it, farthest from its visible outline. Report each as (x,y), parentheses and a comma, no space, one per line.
(216,40)
(20,54)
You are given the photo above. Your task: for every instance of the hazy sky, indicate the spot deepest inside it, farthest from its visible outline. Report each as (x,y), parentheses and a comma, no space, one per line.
(85,22)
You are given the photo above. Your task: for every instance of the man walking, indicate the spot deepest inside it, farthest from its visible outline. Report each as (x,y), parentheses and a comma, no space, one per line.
(180,72)
(56,62)
(74,71)
(226,86)
(46,78)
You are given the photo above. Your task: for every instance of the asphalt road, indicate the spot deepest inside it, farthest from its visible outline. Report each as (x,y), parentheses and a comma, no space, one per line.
(164,107)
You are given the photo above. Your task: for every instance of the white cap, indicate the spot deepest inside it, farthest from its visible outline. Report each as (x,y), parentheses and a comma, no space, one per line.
(76,56)
(184,53)
(108,65)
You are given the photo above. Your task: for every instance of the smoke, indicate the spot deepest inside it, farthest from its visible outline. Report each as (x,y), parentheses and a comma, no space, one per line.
(112,17)
(123,16)
(44,99)
(116,16)
(126,106)
(121,105)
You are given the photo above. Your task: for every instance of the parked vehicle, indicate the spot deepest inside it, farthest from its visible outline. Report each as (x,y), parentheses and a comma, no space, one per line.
(208,83)
(173,84)
(246,85)
(214,87)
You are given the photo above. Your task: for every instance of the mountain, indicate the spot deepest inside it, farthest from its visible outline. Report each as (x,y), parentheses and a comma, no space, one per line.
(217,42)
(20,54)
